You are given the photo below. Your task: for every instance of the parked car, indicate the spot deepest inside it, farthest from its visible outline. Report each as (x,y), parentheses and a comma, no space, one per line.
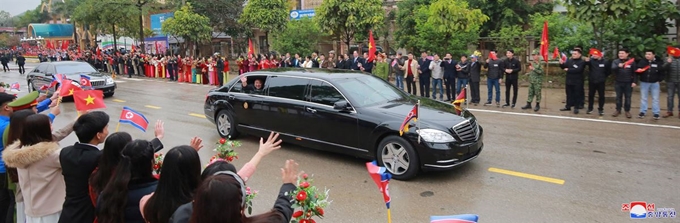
(44,73)
(346,112)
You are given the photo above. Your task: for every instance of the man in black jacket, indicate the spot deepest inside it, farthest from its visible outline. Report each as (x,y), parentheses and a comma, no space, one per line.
(220,69)
(651,73)
(493,77)
(4,59)
(599,70)
(356,60)
(511,68)
(474,70)
(624,74)
(574,79)
(424,75)
(21,61)
(450,74)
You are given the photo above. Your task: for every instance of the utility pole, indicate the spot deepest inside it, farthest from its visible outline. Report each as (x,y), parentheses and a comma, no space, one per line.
(139,5)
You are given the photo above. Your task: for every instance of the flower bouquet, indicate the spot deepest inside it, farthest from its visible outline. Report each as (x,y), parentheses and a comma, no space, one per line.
(309,200)
(157,163)
(225,150)
(250,194)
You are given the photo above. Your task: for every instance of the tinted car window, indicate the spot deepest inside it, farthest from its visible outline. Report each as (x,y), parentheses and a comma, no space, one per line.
(324,93)
(50,70)
(287,87)
(71,68)
(237,87)
(369,90)
(40,68)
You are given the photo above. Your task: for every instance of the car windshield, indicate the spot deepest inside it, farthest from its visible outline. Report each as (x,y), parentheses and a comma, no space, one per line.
(368,90)
(72,68)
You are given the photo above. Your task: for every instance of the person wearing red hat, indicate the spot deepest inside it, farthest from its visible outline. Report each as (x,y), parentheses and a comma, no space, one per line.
(672,67)
(599,70)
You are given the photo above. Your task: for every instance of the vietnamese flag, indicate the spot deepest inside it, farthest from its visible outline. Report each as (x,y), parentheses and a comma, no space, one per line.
(67,88)
(371,47)
(48,44)
(64,45)
(628,63)
(88,100)
(251,49)
(492,56)
(544,41)
(133,48)
(673,51)
(556,53)
(640,70)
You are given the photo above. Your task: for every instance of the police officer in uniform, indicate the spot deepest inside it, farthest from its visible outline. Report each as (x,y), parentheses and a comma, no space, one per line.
(536,74)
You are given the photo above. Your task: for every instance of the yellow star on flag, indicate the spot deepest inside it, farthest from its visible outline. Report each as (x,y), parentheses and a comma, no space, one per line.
(542,43)
(70,92)
(672,51)
(89,100)
(370,45)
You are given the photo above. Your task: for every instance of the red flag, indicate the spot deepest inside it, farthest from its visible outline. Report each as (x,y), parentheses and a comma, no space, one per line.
(371,47)
(85,81)
(251,50)
(459,100)
(64,44)
(99,52)
(79,53)
(67,88)
(629,62)
(133,48)
(640,70)
(493,56)
(412,115)
(48,44)
(44,87)
(673,51)
(544,41)
(556,53)
(88,100)
(381,178)
(595,52)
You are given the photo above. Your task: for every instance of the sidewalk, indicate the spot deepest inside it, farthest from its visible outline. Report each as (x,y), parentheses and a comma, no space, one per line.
(553,98)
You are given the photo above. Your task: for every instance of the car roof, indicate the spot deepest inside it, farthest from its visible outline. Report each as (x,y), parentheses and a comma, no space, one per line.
(321,73)
(66,62)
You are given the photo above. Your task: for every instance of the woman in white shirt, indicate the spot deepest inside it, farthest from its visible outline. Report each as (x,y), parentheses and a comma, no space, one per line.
(308,62)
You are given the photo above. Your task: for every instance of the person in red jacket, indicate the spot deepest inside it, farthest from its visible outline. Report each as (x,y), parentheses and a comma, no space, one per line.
(226,71)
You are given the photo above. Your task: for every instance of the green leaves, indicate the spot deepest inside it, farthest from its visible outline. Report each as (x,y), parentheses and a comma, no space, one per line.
(188,25)
(267,15)
(345,18)
(299,36)
(223,14)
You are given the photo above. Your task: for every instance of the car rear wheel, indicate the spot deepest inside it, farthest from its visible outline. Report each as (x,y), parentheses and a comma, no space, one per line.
(225,125)
(398,156)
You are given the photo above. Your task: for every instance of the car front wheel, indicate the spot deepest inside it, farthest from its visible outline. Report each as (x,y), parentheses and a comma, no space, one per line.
(398,156)
(225,125)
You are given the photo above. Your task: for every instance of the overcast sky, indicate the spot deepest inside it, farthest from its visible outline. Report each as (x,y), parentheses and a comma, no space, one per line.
(15,7)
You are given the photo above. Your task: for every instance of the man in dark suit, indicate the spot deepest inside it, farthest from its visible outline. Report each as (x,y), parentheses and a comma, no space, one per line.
(315,60)
(367,66)
(340,63)
(474,70)
(450,74)
(356,60)
(424,77)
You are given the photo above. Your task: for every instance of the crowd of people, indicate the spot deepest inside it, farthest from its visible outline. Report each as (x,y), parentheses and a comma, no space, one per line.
(41,182)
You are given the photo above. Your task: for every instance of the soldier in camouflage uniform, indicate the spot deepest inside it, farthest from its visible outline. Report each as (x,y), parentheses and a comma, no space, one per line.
(536,74)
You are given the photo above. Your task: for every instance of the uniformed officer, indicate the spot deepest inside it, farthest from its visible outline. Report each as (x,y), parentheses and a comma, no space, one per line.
(536,74)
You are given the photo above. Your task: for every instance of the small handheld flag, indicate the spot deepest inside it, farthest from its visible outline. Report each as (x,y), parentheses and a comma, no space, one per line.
(382,179)
(371,47)
(640,70)
(133,118)
(67,89)
(44,87)
(85,81)
(15,86)
(673,51)
(492,56)
(628,63)
(564,57)
(595,52)
(463,218)
(460,100)
(412,115)
(556,53)
(88,100)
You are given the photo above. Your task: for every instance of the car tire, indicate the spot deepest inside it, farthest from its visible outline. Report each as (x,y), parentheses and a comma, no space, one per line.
(398,157)
(106,95)
(221,117)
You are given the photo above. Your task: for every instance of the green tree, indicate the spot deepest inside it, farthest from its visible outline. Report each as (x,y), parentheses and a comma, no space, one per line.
(31,16)
(564,32)
(451,19)
(223,14)
(599,13)
(506,13)
(6,19)
(299,36)
(511,37)
(407,23)
(346,18)
(192,27)
(266,15)
(7,41)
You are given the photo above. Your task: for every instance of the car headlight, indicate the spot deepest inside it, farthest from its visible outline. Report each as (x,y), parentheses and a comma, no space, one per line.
(435,136)
(109,80)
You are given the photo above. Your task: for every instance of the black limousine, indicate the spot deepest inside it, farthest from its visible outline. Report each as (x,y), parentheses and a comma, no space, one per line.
(346,112)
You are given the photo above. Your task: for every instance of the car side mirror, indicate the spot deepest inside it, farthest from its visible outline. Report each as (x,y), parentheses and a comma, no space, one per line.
(48,74)
(341,105)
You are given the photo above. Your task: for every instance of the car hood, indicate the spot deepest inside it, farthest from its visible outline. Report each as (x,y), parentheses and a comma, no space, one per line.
(93,76)
(431,112)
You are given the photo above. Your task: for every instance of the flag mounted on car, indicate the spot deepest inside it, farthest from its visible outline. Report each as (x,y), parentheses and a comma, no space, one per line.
(412,115)
(134,118)
(85,82)
(463,218)
(460,100)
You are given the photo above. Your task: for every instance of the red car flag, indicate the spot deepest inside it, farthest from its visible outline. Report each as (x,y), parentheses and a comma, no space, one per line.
(85,82)
(413,115)
(544,41)
(371,47)
(134,118)
(459,101)
(88,100)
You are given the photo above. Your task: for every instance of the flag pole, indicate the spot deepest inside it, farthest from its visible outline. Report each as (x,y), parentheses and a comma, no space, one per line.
(545,104)
(117,126)
(389,213)
(417,128)
(467,91)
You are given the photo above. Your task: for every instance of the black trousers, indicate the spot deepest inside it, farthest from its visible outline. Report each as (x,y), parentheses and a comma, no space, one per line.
(220,77)
(424,85)
(624,90)
(410,85)
(6,200)
(592,88)
(5,67)
(450,85)
(574,95)
(474,89)
(511,83)
(22,70)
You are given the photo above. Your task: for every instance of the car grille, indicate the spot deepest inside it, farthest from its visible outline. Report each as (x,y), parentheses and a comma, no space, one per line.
(467,130)
(97,83)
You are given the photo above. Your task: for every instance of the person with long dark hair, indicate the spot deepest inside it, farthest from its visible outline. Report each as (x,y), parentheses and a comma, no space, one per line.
(222,198)
(133,178)
(111,155)
(36,157)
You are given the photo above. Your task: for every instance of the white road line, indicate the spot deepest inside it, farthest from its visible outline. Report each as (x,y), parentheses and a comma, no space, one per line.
(577,119)
(120,81)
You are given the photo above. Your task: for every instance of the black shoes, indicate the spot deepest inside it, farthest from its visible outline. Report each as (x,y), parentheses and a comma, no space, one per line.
(528,106)
(575,111)
(565,109)
(538,107)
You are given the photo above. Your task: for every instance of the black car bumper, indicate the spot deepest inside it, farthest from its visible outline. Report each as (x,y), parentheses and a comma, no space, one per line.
(445,156)
(107,89)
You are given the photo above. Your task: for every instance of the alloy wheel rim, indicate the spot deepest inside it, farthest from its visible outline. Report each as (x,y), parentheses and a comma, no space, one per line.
(395,158)
(224,124)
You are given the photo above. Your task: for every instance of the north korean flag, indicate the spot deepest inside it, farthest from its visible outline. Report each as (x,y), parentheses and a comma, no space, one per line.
(85,81)
(134,118)
(463,218)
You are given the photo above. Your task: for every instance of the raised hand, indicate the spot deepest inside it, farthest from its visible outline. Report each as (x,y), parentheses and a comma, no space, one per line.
(272,143)
(159,131)
(55,110)
(289,173)
(196,143)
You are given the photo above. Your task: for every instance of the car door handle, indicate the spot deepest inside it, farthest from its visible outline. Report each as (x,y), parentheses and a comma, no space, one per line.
(311,110)
(231,97)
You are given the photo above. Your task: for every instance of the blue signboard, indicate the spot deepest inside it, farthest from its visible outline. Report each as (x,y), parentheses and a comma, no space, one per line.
(298,14)
(157,20)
